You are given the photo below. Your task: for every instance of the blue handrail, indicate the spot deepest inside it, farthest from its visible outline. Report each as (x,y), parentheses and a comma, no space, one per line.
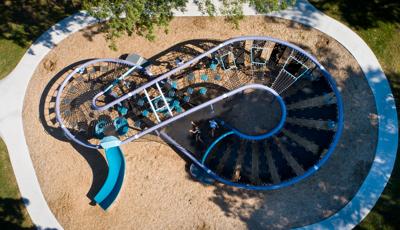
(243,135)
(327,76)
(213,144)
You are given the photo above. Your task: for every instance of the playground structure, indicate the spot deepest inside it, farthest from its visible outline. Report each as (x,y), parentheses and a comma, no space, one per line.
(108,102)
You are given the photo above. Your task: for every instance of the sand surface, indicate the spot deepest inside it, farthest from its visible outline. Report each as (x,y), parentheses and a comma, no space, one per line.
(158,192)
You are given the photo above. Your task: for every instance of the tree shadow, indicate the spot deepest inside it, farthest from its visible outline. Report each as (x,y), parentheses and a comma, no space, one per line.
(94,158)
(365,14)
(332,187)
(307,16)
(290,23)
(24,21)
(12,214)
(385,212)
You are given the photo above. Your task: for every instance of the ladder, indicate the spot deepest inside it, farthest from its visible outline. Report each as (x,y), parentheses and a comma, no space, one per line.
(153,102)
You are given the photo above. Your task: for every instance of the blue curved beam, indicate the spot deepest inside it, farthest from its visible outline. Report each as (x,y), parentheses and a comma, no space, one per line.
(325,73)
(213,175)
(213,144)
(265,135)
(186,65)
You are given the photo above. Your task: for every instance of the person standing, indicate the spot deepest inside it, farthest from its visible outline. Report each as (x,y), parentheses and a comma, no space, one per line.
(196,132)
(213,126)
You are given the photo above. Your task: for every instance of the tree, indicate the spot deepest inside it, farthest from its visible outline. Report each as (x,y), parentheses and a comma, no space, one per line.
(143,16)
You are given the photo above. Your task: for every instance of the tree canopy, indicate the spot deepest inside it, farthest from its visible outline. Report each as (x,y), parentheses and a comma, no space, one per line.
(142,17)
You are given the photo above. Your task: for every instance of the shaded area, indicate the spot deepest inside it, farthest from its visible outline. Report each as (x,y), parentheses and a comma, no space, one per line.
(24,21)
(241,111)
(13,214)
(328,190)
(253,113)
(161,63)
(377,22)
(365,14)
(387,209)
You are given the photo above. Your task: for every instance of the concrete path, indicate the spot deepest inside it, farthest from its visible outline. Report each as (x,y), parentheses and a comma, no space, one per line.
(385,156)
(13,89)
(14,86)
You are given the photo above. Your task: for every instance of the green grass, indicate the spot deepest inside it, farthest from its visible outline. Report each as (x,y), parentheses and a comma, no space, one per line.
(21,22)
(10,53)
(378,23)
(13,214)
(381,33)
(384,40)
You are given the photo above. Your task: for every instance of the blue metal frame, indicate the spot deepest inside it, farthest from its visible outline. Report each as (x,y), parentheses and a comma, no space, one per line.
(294,180)
(275,130)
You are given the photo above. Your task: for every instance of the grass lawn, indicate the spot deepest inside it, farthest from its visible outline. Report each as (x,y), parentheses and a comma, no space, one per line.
(378,23)
(13,214)
(21,22)
(10,54)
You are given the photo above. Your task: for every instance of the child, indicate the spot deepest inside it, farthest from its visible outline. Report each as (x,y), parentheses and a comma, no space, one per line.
(213,126)
(196,132)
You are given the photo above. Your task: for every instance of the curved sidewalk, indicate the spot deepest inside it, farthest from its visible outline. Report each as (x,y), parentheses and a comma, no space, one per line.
(14,86)
(386,150)
(13,89)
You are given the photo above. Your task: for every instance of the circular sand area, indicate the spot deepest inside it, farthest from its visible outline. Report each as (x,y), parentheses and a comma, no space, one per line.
(158,191)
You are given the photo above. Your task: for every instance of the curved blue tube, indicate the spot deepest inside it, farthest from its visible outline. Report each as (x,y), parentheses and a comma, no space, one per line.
(213,144)
(265,135)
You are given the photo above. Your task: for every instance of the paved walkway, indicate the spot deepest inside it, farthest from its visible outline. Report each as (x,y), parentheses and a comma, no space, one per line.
(14,86)
(385,156)
(13,89)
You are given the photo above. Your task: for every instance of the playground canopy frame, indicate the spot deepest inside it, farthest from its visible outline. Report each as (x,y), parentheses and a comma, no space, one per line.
(176,70)
(158,126)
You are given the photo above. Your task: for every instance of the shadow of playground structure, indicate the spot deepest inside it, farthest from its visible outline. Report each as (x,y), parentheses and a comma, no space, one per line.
(161,62)
(325,192)
(96,160)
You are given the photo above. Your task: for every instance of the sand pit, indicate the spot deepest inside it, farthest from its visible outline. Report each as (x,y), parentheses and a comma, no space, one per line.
(158,191)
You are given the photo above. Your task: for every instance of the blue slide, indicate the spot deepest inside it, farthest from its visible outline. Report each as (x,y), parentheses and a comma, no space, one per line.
(116,171)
